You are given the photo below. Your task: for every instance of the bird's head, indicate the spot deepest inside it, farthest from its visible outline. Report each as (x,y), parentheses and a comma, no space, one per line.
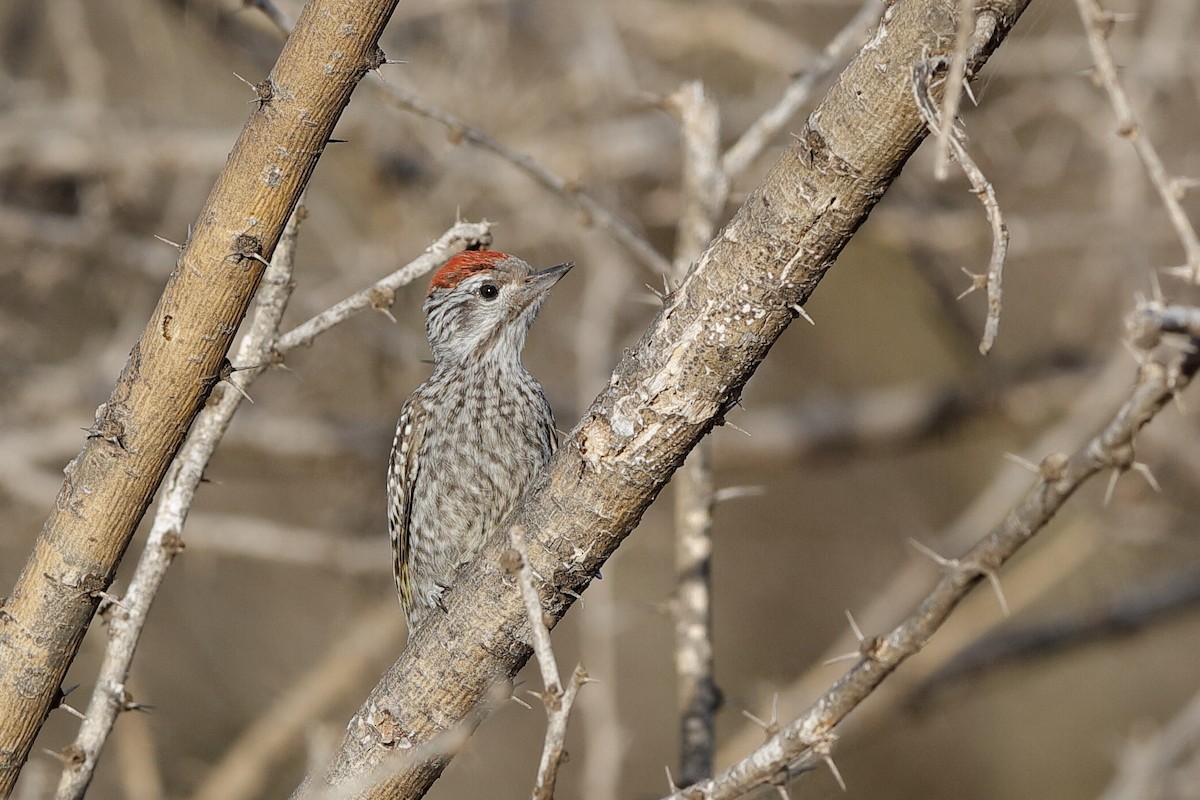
(481,304)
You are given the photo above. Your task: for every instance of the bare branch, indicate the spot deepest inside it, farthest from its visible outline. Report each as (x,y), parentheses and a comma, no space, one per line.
(1097,23)
(922,88)
(956,80)
(557,699)
(1157,383)
(705,190)
(519,565)
(462,236)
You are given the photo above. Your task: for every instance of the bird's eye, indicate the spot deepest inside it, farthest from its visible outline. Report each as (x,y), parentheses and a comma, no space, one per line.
(489,291)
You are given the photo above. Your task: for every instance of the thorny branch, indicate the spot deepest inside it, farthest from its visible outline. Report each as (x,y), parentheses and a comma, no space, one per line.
(923,74)
(558,700)
(259,349)
(1160,377)
(176,362)
(1097,25)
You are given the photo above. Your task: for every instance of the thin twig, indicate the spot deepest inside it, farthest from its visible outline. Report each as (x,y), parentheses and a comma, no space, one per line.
(460,130)
(922,90)
(557,699)
(537,622)
(1160,378)
(1097,23)
(751,143)
(955,85)
(380,295)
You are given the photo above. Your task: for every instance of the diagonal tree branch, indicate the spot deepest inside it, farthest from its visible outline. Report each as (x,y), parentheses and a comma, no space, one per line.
(1159,379)
(681,379)
(176,362)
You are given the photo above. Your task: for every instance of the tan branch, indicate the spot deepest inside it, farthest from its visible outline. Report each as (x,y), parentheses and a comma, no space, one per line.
(176,362)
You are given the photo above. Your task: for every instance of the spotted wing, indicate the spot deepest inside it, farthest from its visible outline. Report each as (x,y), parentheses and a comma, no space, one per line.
(403,474)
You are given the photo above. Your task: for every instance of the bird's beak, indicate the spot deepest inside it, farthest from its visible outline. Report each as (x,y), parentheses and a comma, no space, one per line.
(542,280)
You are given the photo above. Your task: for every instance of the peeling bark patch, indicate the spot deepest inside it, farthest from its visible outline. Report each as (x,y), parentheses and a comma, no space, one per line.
(273,176)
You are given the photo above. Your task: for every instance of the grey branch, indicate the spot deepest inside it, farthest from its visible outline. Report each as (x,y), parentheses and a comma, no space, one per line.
(557,699)
(705,191)
(922,90)
(382,293)
(1059,476)
(1097,23)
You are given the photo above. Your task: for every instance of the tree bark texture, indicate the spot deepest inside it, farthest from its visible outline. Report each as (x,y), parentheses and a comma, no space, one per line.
(687,371)
(176,362)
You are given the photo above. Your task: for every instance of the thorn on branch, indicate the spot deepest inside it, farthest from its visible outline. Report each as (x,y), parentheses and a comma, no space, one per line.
(798,311)
(769,728)
(71,756)
(979,282)
(265,92)
(381,299)
(247,247)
